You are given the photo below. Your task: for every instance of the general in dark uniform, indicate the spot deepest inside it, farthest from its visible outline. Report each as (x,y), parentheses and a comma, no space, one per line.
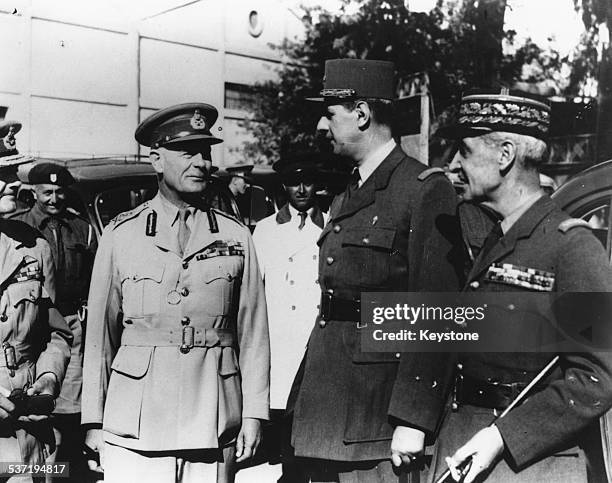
(392,230)
(73,244)
(536,248)
(35,338)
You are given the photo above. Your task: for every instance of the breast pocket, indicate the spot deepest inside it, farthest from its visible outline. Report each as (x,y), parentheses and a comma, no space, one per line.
(220,280)
(141,289)
(368,253)
(24,292)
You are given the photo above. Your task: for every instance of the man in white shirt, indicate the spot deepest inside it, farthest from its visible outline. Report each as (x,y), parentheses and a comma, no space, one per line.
(287,251)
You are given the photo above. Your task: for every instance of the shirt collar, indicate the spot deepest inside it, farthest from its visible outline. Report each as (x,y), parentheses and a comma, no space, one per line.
(171,210)
(512,218)
(372,162)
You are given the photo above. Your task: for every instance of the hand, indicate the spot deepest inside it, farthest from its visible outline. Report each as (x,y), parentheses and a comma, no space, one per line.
(45,384)
(406,445)
(94,441)
(485,448)
(6,406)
(248,439)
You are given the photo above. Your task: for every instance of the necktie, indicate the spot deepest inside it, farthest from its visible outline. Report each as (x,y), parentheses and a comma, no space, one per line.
(492,239)
(353,184)
(303,216)
(183,232)
(59,247)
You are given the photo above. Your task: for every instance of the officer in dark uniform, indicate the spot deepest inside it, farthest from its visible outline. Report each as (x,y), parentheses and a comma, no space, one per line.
(536,248)
(390,231)
(73,245)
(35,338)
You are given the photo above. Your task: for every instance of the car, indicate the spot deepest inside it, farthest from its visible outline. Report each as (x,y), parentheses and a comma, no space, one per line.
(107,186)
(588,195)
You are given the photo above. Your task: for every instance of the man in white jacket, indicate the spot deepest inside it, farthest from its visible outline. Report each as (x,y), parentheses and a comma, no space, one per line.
(287,251)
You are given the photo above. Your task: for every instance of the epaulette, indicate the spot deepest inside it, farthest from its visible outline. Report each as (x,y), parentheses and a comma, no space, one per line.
(17,213)
(428,172)
(127,215)
(227,215)
(570,223)
(20,231)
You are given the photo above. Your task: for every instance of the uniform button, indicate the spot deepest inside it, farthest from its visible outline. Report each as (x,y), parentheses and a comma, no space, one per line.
(291,282)
(291,259)
(511,307)
(314,257)
(185,292)
(337,228)
(185,265)
(329,260)
(185,320)
(3,318)
(397,355)
(366,240)
(475,285)
(322,323)
(459,367)
(317,281)
(293,307)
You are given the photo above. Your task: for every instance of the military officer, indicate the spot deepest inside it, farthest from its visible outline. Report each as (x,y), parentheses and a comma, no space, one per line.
(177,352)
(356,411)
(35,338)
(287,252)
(73,245)
(536,248)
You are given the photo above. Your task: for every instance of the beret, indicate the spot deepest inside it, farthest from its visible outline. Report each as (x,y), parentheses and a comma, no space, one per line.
(50,173)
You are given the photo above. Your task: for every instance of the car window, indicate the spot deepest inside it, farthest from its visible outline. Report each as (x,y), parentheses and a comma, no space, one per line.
(110,203)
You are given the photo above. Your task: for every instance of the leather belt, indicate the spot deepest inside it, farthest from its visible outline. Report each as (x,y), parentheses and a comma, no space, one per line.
(195,337)
(485,394)
(335,308)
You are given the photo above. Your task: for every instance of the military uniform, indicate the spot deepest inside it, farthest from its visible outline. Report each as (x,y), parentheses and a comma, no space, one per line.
(385,238)
(34,328)
(557,416)
(177,349)
(541,251)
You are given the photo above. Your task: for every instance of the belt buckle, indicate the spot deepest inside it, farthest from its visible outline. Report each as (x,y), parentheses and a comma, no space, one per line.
(187,340)
(325,309)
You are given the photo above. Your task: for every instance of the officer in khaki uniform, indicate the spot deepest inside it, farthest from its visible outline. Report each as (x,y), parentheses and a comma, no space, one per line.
(177,350)
(535,248)
(35,338)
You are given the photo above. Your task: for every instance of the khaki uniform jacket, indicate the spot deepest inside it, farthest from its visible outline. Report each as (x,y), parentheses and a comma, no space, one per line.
(29,323)
(149,395)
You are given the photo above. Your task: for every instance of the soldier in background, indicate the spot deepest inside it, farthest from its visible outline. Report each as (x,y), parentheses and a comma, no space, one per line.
(35,338)
(288,253)
(176,296)
(73,246)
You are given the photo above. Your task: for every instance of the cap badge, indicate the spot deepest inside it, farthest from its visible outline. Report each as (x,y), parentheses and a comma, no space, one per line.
(198,121)
(53,177)
(9,140)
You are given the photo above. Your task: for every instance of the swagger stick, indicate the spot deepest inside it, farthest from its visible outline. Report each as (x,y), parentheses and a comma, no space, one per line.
(511,406)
